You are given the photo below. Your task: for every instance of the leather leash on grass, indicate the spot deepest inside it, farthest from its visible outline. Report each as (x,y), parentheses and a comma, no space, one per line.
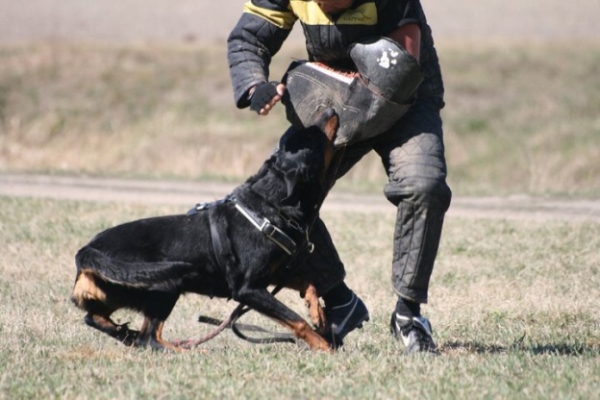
(231,322)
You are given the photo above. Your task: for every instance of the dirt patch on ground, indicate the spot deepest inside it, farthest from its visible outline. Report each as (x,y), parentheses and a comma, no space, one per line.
(187,194)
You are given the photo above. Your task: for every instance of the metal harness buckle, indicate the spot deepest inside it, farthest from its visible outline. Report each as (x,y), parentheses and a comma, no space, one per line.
(272,232)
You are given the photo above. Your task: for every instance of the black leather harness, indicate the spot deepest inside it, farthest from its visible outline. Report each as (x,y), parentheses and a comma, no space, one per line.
(224,255)
(272,232)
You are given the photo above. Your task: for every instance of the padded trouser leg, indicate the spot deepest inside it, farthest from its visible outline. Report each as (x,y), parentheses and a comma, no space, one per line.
(413,155)
(416,241)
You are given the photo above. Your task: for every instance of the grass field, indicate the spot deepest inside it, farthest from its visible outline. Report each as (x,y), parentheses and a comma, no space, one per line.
(521,117)
(514,306)
(514,303)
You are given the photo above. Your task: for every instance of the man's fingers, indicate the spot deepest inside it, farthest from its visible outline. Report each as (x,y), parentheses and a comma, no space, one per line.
(265,110)
(274,100)
(264,97)
(280,90)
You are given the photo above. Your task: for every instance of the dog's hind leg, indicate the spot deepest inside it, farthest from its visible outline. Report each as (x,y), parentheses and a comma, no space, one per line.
(89,296)
(151,335)
(104,324)
(160,306)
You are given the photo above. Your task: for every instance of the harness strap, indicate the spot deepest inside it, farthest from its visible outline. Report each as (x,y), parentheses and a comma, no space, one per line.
(273,233)
(205,205)
(224,257)
(222,248)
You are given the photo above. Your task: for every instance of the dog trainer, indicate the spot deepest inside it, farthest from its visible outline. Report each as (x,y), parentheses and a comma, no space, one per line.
(344,34)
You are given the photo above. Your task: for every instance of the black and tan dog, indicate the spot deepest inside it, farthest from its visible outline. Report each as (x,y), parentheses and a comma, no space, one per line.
(232,249)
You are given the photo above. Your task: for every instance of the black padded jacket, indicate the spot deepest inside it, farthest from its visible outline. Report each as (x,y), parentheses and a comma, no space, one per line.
(265,24)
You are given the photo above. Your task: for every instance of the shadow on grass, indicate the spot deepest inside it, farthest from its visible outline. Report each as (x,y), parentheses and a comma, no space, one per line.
(559,349)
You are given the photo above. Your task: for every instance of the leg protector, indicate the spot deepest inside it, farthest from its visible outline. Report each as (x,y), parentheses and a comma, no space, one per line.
(416,241)
(414,159)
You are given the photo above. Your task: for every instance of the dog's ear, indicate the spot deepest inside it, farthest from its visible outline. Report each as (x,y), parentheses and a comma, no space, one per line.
(305,170)
(291,182)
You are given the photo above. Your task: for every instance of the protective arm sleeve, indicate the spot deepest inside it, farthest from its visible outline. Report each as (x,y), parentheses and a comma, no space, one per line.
(396,14)
(257,37)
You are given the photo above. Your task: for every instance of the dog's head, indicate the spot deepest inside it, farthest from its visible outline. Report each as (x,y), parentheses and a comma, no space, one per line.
(305,155)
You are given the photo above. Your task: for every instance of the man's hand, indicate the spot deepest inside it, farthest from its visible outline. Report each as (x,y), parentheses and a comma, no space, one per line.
(263,97)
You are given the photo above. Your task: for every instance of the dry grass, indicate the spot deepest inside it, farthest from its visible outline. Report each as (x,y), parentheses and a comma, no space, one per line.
(519,117)
(514,307)
(523,118)
(126,111)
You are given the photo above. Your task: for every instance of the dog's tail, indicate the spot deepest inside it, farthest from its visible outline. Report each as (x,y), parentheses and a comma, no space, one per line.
(130,273)
(95,267)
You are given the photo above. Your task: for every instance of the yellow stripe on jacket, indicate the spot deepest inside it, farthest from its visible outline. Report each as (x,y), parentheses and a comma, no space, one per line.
(281,19)
(309,13)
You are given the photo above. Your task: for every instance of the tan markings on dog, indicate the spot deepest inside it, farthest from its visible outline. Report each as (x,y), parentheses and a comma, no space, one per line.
(311,298)
(86,289)
(105,322)
(303,331)
(317,315)
(330,129)
(166,344)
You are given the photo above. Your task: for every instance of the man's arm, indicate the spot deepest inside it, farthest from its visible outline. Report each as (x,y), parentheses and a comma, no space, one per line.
(258,35)
(409,37)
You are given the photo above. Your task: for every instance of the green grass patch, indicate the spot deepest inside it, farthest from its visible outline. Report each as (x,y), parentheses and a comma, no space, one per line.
(513,304)
(520,117)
